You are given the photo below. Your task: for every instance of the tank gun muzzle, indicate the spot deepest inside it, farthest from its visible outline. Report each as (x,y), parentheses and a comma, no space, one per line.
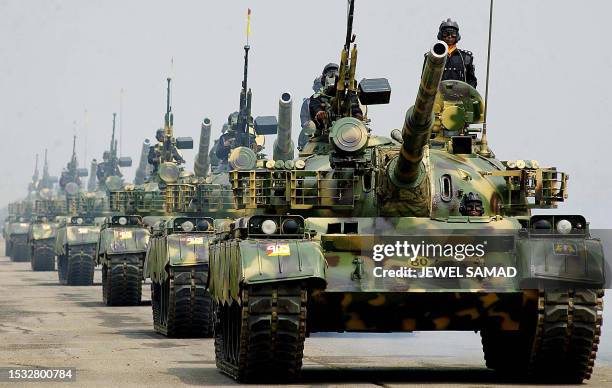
(407,168)
(283,145)
(201,164)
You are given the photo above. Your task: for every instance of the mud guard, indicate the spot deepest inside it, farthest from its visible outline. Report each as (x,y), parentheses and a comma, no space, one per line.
(248,262)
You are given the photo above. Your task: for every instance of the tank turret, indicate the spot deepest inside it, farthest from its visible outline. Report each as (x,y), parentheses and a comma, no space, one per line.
(419,119)
(202,164)
(143,166)
(283,146)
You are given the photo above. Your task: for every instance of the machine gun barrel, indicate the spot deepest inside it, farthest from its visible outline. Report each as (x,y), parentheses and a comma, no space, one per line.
(143,166)
(283,145)
(419,118)
(201,164)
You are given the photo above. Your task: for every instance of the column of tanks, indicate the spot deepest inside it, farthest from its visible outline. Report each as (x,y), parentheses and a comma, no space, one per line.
(278,247)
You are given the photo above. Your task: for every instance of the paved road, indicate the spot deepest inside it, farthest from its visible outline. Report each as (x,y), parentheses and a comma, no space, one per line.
(44,324)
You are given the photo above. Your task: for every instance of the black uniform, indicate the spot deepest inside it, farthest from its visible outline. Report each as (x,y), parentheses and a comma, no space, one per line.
(460,67)
(222,151)
(321,102)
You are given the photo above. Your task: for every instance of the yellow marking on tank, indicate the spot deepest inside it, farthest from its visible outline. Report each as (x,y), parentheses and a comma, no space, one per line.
(409,324)
(473,313)
(488,300)
(355,323)
(378,301)
(441,323)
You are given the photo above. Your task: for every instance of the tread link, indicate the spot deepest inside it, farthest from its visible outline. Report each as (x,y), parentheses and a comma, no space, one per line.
(182,306)
(122,280)
(563,345)
(263,338)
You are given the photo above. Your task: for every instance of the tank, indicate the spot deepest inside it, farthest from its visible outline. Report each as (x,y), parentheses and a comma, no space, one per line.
(124,234)
(78,226)
(43,232)
(202,164)
(144,168)
(177,255)
(429,231)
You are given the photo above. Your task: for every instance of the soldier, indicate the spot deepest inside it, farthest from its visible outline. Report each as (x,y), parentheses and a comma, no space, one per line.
(471,205)
(106,169)
(460,63)
(308,126)
(227,140)
(155,152)
(320,101)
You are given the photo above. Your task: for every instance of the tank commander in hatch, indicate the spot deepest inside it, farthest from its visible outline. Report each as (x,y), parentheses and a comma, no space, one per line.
(471,205)
(460,63)
(155,151)
(320,102)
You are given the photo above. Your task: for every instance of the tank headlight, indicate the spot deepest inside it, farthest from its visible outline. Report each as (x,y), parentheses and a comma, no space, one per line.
(564,227)
(203,225)
(79,221)
(187,226)
(290,226)
(122,221)
(542,225)
(268,227)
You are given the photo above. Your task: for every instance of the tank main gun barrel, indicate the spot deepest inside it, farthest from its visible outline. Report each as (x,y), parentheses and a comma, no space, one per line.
(143,166)
(201,165)
(419,118)
(93,172)
(283,145)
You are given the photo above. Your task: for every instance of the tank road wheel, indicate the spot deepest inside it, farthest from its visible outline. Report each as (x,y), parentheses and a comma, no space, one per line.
(43,258)
(561,345)
(185,306)
(262,338)
(79,267)
(122,281)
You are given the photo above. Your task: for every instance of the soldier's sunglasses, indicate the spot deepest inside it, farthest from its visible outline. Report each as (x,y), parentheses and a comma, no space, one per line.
(449,33)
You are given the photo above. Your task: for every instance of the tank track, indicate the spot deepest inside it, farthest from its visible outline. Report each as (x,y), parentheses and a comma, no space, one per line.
(43,257)
(78,268)
(263,338)
(563,345)
(20,251)
(182,307)
(122,280)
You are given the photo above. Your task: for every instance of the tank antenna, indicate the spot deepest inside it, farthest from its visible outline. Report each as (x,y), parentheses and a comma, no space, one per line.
(484,145)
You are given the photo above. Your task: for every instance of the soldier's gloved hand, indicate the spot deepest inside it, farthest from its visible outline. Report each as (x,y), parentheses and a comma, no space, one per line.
(321,116)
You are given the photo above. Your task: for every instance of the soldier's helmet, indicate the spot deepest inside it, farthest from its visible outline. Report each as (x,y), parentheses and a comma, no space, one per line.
(159,135)
(471,205)
(330,74)
(106,155)
(449,25)
(232,119)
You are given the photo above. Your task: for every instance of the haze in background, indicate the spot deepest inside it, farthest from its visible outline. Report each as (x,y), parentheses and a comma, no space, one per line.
(549,75)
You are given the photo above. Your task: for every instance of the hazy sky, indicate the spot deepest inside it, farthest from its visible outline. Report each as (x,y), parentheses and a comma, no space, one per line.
(549,93)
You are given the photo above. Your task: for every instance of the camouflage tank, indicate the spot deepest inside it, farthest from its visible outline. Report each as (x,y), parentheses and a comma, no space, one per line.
(309,259)
(123,237)
(206,195)
(43,232)
(43,229)
(16,231)
(180,304)
(178,251)
(79,228)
